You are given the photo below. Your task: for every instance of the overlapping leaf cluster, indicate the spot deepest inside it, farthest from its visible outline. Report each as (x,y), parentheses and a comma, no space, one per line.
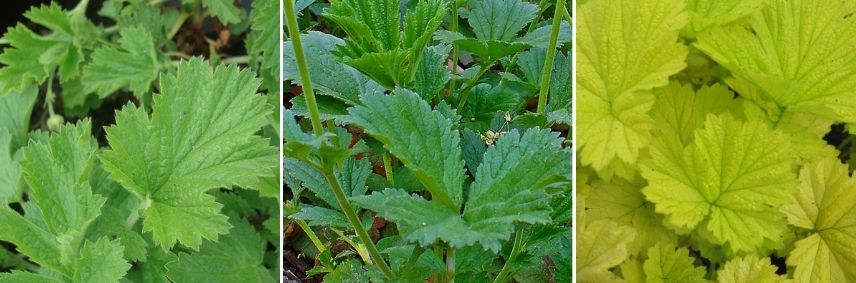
(179,185)
(707,142)
(476,192)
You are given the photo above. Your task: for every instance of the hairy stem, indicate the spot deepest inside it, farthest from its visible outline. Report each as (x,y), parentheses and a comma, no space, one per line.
(551,54)
(308,93)
(355,222)
(454,27)
(450,265)
(387,169)
(311,234)
(515,250)
(237,60)
(80,9)
(49,95)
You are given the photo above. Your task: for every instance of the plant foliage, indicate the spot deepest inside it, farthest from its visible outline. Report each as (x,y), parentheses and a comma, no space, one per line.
(416,188)
(166,170)
(712,149)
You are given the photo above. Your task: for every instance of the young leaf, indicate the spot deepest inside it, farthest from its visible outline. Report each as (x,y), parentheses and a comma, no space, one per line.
(807,69)
(614,91)
(61,209)
(602,244)
(135,66)
(707,14)
(666,264)
(198,137)
(32,57)
(825,206)
(376,46)
(623,203)
(100,261)
(728,184)
(431,74)
(749,269)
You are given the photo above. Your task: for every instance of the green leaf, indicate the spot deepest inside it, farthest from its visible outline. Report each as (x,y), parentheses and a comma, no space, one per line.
(707,14)
(488,50)
(825,206)
(614,91)
(665,263)
(135,66)
(376,46)
(58,173)
(485,101)
(750,269)
(505,192)
(434,156)
(431,73)
(807,70)
(224,10)
(329,77)
(372,24)
(623,203)
(32,58)
(62,207)
(531,63)
(263,40)
(679,110)
(100,261)
(25,277)
(601,245)
(540,37)
(500,20)
(200,136)
(236,257)
(509,184)
(728,184)
(15,111)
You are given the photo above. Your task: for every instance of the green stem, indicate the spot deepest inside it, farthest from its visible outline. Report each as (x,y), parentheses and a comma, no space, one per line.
(308,93)
(80,9)
(450,265)
(551,54)
(567,17)
(454,28)
(355,222)
(237,60)
(414,256)
(471,83)
(387,169)
(515,250)
(311,234)
(49,95)
(177,25)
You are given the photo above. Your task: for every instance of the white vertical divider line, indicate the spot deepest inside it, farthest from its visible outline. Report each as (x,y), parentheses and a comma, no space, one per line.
(574,140)
(281,161)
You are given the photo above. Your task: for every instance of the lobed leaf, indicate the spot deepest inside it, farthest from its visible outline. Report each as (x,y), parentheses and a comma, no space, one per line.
(200,136)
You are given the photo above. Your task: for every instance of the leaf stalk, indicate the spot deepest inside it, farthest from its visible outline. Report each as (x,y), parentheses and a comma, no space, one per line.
(551,55)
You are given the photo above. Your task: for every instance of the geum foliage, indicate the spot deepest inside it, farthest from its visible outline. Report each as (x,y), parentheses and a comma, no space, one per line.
(473,193)
(80,226)
(702,128)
